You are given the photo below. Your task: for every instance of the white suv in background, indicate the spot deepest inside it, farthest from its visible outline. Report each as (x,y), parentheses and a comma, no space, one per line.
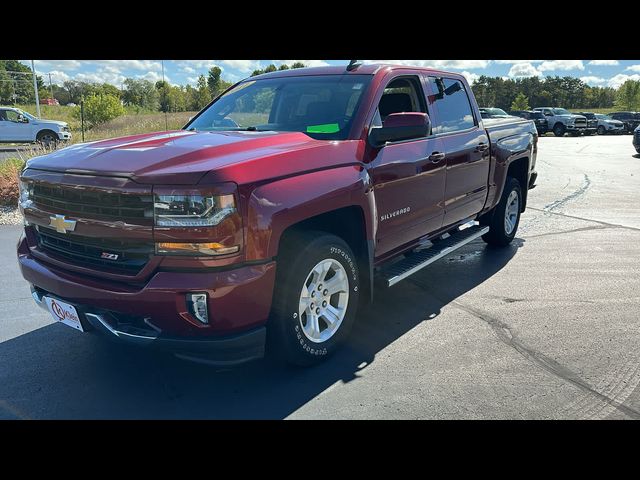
(18,126)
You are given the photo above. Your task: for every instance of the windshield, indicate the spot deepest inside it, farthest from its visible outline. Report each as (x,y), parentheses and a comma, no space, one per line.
(603,117)
(496,111)
(537,115)
(561,111)
(320,106)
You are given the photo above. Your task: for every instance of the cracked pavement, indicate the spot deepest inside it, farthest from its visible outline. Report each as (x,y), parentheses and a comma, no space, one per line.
(545,329)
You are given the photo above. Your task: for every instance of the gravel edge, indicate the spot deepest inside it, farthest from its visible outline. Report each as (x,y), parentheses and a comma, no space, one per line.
(10,216)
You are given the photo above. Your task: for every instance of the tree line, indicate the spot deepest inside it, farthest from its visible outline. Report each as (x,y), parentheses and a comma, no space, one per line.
(16,87)
(565,92)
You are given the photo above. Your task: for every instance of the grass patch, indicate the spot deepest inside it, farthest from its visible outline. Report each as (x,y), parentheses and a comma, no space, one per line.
(9,190)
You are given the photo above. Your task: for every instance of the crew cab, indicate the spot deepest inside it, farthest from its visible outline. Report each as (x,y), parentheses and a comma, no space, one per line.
(562,121)
(264,222)
(18,126)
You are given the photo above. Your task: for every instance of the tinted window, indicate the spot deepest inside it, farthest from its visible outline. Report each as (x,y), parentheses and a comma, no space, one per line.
(452,103)
(536,115)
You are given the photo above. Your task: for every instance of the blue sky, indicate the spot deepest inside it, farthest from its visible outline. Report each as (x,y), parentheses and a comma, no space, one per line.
(594,72)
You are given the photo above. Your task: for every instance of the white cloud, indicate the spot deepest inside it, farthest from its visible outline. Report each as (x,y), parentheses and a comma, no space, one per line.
(511,62)
(612,63)
(520,70)
(243,66)
(619,79)
(555,65)
(633,68)
(130,64)
(47,65)
(439,64)
(591,80)
(101,76)
(57,77)
(154,77)
(471,77)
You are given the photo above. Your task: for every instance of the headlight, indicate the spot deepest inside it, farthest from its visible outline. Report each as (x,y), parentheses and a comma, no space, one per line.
(198,223)
(26,191)
(178,210)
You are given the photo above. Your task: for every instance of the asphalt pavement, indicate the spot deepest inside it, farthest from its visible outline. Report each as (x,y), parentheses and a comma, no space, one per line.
(547,328)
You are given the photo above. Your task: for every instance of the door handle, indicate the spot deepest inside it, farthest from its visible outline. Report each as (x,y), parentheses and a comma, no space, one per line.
(436,157)
(482,147)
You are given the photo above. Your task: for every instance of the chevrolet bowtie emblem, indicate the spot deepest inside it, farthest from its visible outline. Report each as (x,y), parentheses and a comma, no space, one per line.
(61,224)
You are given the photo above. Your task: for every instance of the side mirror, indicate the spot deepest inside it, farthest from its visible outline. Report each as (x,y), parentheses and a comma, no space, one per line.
(401,126)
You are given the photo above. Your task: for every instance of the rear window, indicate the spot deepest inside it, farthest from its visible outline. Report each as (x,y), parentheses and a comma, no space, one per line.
(453,106)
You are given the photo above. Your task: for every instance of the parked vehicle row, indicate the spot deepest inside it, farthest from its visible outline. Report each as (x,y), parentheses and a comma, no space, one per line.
(561,121)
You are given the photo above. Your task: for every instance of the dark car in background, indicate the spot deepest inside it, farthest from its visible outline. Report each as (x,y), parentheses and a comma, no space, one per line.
(492,112)
(592,122)
(630,119)
(636,139)
(542,125)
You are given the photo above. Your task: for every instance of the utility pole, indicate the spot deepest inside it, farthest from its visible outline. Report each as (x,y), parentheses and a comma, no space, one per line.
(164,89)
(51,87)
(35,87)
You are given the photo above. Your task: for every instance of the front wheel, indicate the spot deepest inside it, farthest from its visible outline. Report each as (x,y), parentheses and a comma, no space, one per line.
(48,139)
(506,216)
(559,130)
(315,299)
(601,130)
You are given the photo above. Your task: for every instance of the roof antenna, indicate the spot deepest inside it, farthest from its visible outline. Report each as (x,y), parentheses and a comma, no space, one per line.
(353,64)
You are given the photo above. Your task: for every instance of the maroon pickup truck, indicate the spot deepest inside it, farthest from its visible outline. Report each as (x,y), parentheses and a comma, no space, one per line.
(263,223)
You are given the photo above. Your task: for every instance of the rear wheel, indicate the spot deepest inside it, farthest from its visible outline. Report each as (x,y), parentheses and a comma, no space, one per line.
(559,130)
(506,216)
(315,298)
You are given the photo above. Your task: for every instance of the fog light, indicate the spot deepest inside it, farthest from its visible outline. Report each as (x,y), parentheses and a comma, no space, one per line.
(197,305)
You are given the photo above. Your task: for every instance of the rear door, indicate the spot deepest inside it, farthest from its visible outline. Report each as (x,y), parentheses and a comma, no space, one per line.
(466,146)
(408,176)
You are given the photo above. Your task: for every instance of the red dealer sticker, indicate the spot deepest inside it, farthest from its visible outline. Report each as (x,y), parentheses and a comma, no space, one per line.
(63,312)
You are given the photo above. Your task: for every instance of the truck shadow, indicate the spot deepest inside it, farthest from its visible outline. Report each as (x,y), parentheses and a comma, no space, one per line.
(54,372)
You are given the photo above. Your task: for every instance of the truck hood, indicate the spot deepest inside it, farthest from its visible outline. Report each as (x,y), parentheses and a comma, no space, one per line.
(177,157)
(50,122)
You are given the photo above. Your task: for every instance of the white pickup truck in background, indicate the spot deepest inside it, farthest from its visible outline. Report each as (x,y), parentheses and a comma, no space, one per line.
(18,126)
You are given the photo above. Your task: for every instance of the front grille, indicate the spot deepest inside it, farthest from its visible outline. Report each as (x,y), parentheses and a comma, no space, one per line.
(93,203)
(581,122)
(88,252)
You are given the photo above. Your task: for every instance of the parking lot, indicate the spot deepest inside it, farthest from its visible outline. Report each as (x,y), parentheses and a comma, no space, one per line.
(545,329)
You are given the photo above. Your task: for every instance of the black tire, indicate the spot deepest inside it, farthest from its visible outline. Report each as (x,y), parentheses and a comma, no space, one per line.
(47,139)
(601,130)
(497,234)
(301,252)
(559,130)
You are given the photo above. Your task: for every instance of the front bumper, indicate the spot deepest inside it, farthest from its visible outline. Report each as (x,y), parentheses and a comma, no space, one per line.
(155,314)
(64,136)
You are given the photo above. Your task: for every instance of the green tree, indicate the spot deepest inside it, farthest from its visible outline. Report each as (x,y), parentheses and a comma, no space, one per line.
(520,103)
(141,94)
(298,65)
(213,81)
(628,96)
(18,81)
(100,109)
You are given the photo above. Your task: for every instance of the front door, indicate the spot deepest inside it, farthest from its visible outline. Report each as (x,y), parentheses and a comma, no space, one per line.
(408,176)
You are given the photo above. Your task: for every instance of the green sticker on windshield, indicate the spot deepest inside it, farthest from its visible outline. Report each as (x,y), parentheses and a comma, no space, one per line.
(325,128)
